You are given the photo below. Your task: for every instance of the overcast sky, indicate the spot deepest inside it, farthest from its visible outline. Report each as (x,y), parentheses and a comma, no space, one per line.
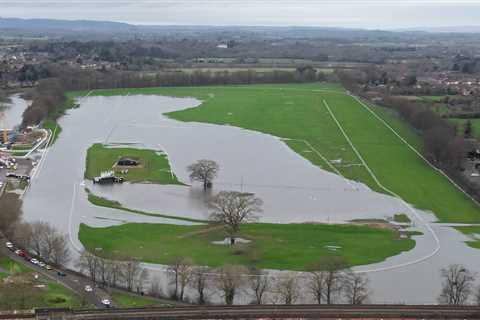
(384,14)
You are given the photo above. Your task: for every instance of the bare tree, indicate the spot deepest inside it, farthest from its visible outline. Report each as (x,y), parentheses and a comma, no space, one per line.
(155,289)
(141,279)
(204,171)
(10,214)
(131,270)
(329,271)
(457,285)
(181,269)
(89,263)
(287,289)
(260,285)
(229,279)
(356,288)
(115,272)
(39,230)
(200,283)
(316,284)
(232,208)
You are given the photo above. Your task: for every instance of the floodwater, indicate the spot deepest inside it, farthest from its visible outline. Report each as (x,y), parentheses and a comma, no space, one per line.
(14,111)
(293,190)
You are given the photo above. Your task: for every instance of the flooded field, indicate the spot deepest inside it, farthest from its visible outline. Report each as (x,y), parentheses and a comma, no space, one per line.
(293,190)
(14,111)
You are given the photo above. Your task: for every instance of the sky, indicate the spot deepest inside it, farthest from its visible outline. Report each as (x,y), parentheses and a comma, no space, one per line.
(373,14)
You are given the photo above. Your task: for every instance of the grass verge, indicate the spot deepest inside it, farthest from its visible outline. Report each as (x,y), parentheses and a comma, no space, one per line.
(275,246)
(128,300)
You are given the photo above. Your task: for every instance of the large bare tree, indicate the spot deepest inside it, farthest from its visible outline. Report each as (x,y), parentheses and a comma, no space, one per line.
(232,208)
(89,263)
(457,285)
(259,282)
(316,284)
(200,283)
(327,275)
(181,269)
(204,171)
(287,289)
(356,288)
(229,279)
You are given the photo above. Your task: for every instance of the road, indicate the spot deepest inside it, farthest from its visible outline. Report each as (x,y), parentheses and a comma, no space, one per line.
(72,281)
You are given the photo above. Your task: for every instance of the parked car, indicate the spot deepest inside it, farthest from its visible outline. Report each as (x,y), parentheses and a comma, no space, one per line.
(61,274)
(106,303)
(9,245)
(34,261)
(48,267)
(20,253)
(88,288)
(42,264)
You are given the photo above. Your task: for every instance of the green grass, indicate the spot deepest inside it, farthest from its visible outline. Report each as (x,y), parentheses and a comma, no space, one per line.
(13,266)
(52,295)
(474,233)
(54,128)
(276,246)
(296,111)
(461,126)
(128,300)
(107,203)
(154,165)
(401,218)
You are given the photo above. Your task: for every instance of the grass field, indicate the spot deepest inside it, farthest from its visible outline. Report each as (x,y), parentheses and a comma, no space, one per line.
(277,246)
(50,296)
(128,300)
(154,166)
(294,111)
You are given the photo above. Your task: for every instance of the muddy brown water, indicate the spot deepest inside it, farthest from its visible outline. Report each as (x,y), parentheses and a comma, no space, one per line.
(293,190)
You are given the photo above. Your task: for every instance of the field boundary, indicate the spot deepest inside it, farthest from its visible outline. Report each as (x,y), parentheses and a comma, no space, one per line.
(413,149)
(408,206)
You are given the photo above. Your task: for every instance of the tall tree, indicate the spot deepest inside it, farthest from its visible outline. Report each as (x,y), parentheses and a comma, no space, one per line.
(287,289)
(200,283)
(356,288)
(232,208)
(204,171)
(328,275)
(457,285)
(229,279)
(260,284)
(181,270)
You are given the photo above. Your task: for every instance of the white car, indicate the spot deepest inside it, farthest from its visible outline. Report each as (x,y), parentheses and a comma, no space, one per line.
(106,302)
(9,245)
(88,289)
(34,261)
(42,264)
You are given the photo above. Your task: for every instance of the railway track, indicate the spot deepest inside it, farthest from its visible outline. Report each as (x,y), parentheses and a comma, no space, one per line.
(261,312)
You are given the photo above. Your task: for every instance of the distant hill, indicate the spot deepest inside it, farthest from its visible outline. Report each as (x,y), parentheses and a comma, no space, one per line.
(64,25)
